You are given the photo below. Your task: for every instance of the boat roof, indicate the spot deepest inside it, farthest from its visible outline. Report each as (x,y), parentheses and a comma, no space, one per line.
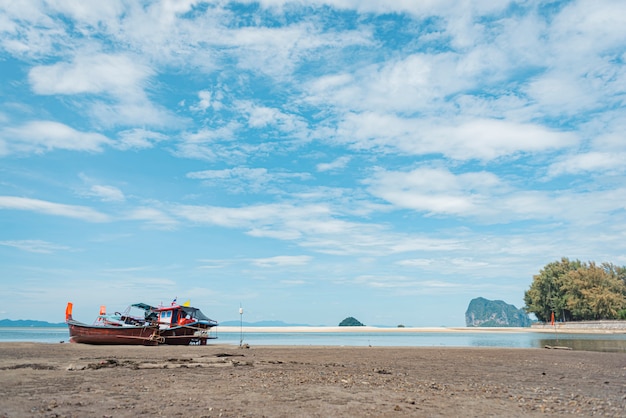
(194,312)
(143,306)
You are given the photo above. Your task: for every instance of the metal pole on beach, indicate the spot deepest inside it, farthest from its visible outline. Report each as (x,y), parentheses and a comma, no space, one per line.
(240,326)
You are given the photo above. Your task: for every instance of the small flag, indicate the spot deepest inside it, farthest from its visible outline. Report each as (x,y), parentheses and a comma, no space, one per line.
(68,311)
(174,301)
(187,303)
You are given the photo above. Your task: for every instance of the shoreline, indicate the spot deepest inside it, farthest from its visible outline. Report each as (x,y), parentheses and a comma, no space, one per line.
(567,328)
(371,329)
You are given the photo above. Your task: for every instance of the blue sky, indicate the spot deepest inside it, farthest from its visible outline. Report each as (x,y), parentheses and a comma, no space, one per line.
(309,160)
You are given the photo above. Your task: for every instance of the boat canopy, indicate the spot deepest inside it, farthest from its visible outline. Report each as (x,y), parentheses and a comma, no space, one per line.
(188,310)
(143,306)
(195,313)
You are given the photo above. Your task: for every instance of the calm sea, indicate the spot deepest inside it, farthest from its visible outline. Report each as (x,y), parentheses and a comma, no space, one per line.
(590,342)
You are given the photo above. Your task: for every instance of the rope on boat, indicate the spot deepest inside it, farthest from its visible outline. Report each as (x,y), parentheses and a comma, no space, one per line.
(156,337)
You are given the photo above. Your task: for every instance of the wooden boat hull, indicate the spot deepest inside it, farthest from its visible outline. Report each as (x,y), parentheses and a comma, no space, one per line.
(172,325)
(195,334)
(113,335)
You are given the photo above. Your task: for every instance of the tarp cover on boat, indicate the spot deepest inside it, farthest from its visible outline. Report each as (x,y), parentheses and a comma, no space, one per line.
(143,306)
(195,313)
(192,312)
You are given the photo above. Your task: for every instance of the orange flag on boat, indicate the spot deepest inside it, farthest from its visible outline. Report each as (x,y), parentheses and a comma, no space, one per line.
(552,319)
(68,311)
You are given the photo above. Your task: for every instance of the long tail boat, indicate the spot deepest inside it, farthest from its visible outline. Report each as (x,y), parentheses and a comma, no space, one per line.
(172,325)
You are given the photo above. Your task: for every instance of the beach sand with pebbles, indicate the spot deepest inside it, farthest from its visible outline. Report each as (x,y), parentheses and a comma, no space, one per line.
(63,380)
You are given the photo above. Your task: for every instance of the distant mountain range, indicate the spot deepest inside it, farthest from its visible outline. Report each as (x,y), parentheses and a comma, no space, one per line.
(31,323)
(28,323)
(281,324)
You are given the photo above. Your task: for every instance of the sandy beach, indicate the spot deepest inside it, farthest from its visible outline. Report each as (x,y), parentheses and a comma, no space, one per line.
(75,380)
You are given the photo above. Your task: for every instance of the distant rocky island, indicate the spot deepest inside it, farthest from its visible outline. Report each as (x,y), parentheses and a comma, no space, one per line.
(482,312)
(351,322)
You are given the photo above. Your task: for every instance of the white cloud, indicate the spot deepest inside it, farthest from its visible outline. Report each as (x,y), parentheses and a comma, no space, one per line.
(293,282)
(311,226)
(50,208)
(482,196)
(410,84)
(580,53)
(416,262)
(590,162)
(104,193)
(35,246)
(204,103)
(412,285)
(562,92)
(263,116)
(107,193)
(427,84)
(268,117)
(116,83)
(89,14)
(44,136)
(153,217)
(277,51)
(254,175)
(282,260)
(407,243)
(27,30)
(139,139)
(419,8)
(119,75)
(216,144)
(141,112)
(250,216)
(214,263)
(578,208)
(484,139)
(314,227)
(244,179)
(589,27)
(434,190)
(337,164)
(488,139)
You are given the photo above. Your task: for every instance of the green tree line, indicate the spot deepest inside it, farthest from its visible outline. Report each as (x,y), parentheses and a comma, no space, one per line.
(577,291)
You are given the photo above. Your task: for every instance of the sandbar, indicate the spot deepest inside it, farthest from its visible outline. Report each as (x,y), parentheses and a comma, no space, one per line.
(400,330)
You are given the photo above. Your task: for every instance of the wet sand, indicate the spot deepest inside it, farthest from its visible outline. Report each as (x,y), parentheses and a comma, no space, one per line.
(63,380)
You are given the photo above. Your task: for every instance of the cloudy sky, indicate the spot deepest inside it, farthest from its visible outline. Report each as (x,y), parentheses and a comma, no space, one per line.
(309,160)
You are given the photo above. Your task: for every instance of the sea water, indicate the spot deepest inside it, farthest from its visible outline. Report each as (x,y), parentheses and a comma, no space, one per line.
(502,339)
(34,334)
